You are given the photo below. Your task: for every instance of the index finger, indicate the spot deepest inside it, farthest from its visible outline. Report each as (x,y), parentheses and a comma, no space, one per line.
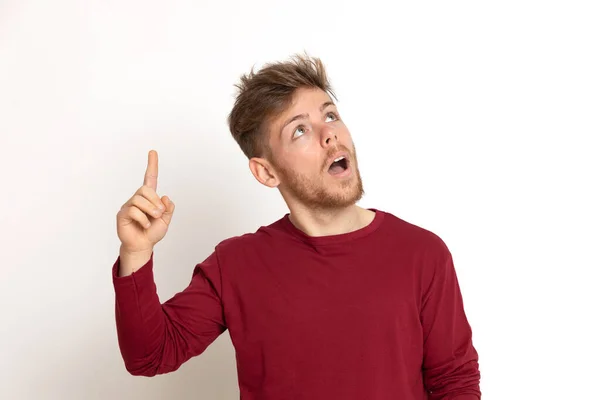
(151,176)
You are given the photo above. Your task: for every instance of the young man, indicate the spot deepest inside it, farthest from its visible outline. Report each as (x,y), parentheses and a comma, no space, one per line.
(332,301)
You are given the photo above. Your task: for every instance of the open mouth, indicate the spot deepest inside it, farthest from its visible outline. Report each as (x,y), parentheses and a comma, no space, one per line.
(338,166)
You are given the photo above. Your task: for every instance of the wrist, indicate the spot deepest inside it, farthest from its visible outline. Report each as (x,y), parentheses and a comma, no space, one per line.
(131,261)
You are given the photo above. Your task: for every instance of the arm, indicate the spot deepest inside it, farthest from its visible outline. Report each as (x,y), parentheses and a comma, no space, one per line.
(450,362)
(157,338)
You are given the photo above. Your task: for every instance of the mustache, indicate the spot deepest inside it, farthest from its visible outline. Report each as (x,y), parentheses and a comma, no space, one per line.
(335,150)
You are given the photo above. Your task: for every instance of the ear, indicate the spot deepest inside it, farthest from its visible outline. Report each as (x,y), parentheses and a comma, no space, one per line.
(263,171)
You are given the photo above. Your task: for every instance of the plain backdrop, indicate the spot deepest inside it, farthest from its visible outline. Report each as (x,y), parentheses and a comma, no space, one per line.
(476,120)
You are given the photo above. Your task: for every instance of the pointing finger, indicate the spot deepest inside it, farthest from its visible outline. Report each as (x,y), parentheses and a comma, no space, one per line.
(151,176)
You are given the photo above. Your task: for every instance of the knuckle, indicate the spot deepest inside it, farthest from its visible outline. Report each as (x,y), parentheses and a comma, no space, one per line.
(136,199)
(147,191)
(142,191)
(149,198)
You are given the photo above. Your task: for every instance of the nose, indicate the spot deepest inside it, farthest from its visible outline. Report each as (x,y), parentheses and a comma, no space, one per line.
(328,136)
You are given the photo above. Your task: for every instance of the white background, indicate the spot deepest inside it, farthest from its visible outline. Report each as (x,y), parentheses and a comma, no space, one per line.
(476,120)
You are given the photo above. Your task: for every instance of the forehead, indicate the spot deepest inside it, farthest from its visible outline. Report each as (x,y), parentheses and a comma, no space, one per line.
(304,99)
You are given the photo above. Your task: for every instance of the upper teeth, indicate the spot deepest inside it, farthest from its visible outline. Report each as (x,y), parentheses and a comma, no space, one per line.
(338,159)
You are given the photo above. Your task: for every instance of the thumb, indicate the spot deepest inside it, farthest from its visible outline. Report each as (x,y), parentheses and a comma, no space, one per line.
(169,208)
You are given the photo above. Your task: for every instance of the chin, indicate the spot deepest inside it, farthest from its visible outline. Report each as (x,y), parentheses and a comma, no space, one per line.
(324,192)
(350,194)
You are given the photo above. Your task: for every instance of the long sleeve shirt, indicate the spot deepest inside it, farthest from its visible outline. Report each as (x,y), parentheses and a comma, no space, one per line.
(375,314)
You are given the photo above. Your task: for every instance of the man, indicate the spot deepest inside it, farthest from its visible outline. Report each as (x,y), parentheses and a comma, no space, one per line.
(332,301)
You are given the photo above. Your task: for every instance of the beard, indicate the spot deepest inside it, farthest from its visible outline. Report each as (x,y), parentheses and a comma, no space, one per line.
(317,193)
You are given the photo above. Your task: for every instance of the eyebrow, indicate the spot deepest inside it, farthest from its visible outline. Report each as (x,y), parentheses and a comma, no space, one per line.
(301,116)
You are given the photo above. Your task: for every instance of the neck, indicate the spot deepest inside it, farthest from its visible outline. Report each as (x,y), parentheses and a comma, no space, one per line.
(326,222)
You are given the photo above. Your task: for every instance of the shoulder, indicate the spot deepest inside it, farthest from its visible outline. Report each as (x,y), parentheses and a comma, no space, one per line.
(416,236)
(243,245)
(430,254)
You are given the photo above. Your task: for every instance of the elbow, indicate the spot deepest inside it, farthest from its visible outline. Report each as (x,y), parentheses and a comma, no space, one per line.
(455,382)
(137,364)
(141,369)
(150,366)
(145,360)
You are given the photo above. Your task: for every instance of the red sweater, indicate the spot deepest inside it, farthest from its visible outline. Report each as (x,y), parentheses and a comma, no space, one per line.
(373,314)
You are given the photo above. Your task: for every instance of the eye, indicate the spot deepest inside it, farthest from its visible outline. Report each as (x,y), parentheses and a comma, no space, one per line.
(300,129)
(332,115)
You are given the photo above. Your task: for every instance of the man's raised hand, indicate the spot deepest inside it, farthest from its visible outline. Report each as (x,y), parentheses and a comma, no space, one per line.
(144,219)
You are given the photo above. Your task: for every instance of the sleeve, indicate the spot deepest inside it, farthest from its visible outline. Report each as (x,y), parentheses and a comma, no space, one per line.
(450,362)
(157,338)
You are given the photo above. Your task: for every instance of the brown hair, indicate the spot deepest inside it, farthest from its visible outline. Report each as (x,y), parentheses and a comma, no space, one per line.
(264,94)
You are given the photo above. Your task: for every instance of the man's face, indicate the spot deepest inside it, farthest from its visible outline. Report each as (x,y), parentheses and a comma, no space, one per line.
(304,140)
